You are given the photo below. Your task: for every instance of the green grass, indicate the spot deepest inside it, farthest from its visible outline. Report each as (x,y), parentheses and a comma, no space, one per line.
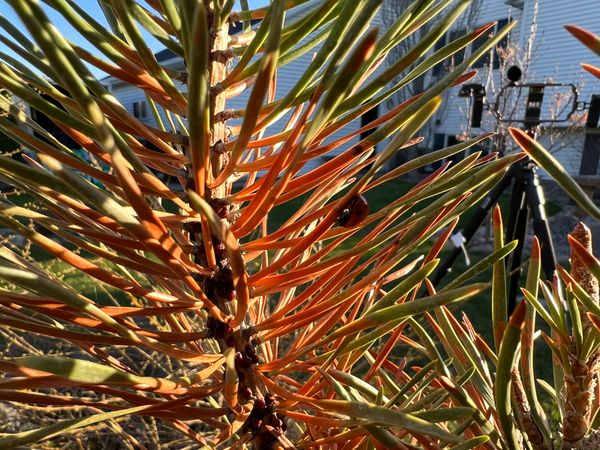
(377,198)
(382,196)
(479,312)
(478,309)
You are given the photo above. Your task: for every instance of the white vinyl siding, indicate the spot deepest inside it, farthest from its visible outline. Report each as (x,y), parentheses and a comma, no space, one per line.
(556,57)
(287,76)
(452,117)
(140,109)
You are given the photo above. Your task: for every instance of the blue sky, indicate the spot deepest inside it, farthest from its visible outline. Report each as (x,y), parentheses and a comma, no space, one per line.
(94,10)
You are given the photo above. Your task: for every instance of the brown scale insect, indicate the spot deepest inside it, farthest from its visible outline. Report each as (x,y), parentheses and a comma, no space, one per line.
(354,213)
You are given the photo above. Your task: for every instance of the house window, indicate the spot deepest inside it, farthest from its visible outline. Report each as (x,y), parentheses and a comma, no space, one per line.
(485,59)
(439,67)
(503,44)
(458,156)
(366,119)
(140,110)
(453,60)
(48,124)
(459,57)
(439,141)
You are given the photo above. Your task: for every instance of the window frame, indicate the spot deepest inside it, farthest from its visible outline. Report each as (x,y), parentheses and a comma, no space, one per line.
(457,58)
(139,109)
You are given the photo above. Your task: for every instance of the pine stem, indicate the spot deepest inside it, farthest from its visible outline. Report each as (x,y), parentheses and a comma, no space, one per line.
(581,386)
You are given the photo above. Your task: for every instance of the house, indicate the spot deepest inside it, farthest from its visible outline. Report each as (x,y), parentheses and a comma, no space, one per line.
(554,56)
(135,101)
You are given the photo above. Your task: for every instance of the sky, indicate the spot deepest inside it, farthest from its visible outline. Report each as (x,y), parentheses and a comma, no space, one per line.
(92,8)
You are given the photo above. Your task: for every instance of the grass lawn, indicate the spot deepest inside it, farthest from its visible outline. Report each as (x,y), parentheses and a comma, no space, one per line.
(478,309)
(382,196)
